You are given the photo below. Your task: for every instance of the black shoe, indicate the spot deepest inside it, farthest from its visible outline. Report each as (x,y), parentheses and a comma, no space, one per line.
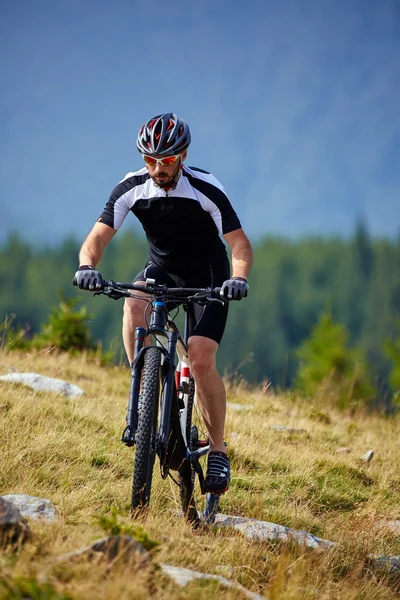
(218,473)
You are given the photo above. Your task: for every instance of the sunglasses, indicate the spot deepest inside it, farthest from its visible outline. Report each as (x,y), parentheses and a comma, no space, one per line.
(164,162)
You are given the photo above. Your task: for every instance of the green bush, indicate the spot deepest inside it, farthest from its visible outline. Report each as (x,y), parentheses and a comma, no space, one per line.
(392,351)
(328,367)
(67,329)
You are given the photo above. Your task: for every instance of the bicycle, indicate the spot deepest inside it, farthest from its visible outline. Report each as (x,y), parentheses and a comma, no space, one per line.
(161,417)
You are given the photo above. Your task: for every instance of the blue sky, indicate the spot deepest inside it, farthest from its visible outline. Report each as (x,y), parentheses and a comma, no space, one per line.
(293,105)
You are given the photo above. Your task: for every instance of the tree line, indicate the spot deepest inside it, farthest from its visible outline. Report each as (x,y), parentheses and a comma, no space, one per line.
(356,280)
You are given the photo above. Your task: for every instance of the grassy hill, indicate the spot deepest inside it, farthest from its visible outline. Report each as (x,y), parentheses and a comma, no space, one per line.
(69,451)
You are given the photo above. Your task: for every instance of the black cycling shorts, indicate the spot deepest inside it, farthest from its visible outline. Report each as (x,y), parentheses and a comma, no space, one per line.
(210,320)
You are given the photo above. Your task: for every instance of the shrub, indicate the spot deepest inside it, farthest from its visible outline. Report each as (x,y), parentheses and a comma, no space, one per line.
(392,350)
(329,367)
(67,329)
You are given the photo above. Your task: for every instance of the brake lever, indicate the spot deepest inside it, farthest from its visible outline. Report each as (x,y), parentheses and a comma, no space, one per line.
(203,300)
(216,300)
(114,294)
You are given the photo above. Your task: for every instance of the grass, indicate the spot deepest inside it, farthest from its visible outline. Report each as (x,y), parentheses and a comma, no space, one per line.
(69,451)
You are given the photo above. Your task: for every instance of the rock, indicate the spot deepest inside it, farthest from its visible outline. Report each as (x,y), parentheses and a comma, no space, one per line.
(239,407)
(109,549)
(343,450)
(183,576)
(14,529)
(367,457)
(392,526)
(42,383)
(32,507)
(388,566)
(262,531)
(287,429)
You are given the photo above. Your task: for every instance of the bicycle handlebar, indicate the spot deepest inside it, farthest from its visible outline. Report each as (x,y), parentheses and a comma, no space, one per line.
(116,290)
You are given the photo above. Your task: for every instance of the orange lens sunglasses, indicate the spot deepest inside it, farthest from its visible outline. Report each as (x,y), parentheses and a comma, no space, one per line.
(165,162)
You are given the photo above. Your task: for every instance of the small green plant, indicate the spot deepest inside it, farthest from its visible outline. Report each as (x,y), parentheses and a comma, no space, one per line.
(67,329)
(111,524)
(329,367)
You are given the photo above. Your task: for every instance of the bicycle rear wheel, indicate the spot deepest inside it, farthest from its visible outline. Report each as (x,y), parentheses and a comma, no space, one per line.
(146,430)
(197,436)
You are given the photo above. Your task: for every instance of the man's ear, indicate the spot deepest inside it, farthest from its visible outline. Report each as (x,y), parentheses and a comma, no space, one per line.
(184,155)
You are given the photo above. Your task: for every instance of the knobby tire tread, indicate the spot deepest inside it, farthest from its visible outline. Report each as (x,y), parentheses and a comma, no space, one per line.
(187,478)
(186,475)
(146,430)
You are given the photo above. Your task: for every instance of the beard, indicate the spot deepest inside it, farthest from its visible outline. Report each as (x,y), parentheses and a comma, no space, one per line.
(164,179)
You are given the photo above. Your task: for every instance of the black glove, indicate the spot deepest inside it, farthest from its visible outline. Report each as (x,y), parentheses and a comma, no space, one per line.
(87,278)
(234,289)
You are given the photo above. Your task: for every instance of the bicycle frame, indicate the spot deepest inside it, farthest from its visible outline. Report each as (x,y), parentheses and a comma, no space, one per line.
(161,326)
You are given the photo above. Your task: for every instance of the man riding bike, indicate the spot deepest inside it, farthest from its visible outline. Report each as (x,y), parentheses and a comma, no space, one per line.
(183,211)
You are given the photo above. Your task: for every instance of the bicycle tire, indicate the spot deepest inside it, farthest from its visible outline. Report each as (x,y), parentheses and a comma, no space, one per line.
(146,430)
(187,475)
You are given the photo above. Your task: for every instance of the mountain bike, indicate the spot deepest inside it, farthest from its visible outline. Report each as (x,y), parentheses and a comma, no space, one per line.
(162,417)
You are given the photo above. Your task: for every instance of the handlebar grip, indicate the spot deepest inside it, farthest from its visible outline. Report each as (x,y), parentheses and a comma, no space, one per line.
(217,292)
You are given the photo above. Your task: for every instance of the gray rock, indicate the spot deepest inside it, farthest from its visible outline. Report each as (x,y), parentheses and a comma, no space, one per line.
(287,429)
(14,529)
(388,566)
(392,526)
(183,576)
(111,548)
(32,507)
(367,457)
(42,383)
(262,531)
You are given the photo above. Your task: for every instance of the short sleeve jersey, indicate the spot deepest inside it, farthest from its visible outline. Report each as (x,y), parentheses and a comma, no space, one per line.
(183,225)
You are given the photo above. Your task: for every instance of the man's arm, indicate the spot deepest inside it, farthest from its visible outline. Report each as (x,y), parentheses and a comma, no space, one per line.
(242,253)
(93,247)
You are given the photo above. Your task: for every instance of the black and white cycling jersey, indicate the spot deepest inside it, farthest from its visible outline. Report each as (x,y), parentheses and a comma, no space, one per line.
(183,225)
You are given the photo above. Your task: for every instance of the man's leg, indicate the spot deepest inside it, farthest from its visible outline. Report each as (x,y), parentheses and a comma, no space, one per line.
(210,390)
(211,397)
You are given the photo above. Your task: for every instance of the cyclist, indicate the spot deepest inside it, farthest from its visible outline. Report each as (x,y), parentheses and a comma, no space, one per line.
(183,211)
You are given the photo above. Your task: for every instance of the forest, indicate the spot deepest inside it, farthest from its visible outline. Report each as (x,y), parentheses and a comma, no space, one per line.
(293,282)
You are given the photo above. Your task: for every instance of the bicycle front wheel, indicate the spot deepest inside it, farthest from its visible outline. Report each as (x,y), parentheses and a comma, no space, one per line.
(146,430)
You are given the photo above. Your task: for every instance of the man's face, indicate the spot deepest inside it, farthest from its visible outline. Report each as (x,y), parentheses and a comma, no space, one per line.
(164,176)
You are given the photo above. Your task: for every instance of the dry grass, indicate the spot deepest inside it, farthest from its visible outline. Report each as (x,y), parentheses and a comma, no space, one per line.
(69,452)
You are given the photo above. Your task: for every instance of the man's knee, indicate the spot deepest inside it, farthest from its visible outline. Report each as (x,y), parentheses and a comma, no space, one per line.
(134,310)
(202,354)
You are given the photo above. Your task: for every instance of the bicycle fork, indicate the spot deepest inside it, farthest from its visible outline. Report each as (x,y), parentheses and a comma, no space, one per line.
(129,433)
(167,382)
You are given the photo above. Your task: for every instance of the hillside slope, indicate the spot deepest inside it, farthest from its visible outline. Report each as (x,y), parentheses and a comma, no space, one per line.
(69,451)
